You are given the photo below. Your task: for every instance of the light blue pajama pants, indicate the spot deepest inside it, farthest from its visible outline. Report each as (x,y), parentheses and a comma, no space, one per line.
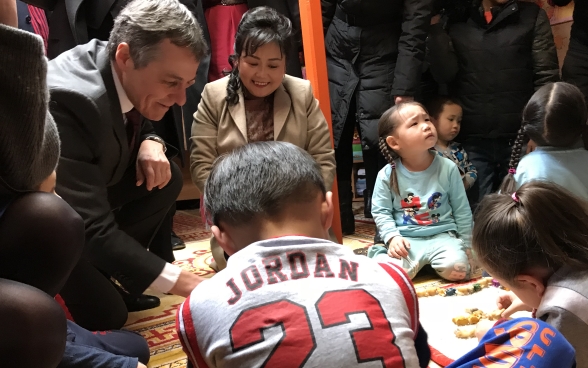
(446,253)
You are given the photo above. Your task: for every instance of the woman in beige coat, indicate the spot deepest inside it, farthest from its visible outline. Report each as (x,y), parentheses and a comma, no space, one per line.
(258,102)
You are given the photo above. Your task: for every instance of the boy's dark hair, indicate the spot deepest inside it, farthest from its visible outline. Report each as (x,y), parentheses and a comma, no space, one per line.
(555,116)
(540,225)
(436,105)
(387,124)
(260,180)
(259,26)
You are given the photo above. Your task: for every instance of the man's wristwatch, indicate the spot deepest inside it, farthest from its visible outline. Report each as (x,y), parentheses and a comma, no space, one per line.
(158,140)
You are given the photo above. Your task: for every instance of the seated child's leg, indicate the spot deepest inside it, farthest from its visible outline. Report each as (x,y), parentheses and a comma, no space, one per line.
(117,342)
(417,256)
(449,258)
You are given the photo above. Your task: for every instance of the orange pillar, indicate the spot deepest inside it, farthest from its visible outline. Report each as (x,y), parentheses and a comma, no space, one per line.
(316,71)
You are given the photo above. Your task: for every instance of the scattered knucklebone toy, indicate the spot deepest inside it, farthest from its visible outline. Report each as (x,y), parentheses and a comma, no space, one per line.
(458,290)
(467,323)
(466,332)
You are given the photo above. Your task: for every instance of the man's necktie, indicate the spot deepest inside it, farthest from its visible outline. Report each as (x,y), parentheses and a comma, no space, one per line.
(133,126)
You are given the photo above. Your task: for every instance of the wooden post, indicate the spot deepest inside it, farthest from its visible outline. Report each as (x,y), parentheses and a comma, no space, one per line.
(316,71)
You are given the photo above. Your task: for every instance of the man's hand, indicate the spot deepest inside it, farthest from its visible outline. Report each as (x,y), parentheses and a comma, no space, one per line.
(8,15)
(401,99)
(152,165)
(511,303)
(185,284)
(398,247)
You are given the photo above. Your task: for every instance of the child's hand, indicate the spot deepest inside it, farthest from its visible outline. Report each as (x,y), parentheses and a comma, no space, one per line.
(398,247)
(465,183)
(511,303)
(483,327)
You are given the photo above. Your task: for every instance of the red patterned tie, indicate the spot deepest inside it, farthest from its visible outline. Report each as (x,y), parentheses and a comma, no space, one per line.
(133,126)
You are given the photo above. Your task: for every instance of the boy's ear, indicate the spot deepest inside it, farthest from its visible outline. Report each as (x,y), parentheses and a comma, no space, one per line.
(533,283)
(327,211)
(224,240)
(392,143)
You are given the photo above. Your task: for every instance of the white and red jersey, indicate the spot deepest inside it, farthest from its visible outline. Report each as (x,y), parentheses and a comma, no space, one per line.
(301,302)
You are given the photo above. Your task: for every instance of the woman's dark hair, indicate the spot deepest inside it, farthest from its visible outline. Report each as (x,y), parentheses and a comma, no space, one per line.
(540,225)
(555,116)
(387,124)
(259,26)
(436,105)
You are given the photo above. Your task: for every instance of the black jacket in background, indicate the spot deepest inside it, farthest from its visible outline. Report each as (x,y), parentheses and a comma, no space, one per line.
(381,58)
(499,66)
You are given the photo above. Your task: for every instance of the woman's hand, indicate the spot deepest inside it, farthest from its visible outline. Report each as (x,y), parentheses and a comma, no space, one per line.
(511,304)
(398,247)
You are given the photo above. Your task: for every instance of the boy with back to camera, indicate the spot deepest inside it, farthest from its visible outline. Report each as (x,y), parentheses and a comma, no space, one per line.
(289,297)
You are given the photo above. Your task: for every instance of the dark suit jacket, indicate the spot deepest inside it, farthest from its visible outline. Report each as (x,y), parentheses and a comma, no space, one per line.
(291,10)
(94,156)
(76,22)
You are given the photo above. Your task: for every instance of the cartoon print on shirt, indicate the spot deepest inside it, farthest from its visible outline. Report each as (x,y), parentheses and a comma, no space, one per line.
(435,218)
(433,201)
(408,216)
(410,205)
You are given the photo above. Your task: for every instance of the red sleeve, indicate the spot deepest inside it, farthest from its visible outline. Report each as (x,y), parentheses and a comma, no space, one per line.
(187,335)
(401,278)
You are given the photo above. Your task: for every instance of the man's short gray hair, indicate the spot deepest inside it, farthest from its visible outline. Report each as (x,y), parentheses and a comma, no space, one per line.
(143,24)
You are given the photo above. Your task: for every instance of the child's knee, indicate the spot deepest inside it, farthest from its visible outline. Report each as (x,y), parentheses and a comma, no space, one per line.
(454,271)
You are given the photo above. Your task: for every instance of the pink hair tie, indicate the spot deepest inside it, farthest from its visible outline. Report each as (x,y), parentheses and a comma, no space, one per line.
(514,197)
(512,171)
(393,165)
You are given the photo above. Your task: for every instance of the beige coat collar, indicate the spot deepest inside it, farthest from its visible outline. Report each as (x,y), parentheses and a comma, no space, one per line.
(282,105)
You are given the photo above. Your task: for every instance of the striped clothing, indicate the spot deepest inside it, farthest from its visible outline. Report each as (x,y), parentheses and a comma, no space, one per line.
(39,23)
(301,302)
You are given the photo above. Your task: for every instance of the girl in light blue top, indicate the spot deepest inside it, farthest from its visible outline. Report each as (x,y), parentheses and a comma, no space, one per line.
(419,202)
(555,121)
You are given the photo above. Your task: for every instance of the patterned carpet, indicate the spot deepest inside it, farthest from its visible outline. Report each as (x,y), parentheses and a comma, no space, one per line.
(158,325)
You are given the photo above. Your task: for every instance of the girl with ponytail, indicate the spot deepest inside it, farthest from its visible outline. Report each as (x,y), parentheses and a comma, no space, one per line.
(535,242)
(555,120)
(419,203)
(256,102)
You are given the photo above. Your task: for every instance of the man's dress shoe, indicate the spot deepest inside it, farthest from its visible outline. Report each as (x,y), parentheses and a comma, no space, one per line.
(141,303)
(177,243)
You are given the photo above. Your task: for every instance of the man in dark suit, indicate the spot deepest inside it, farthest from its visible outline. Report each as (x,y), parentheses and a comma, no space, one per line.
(76,22)
(113,169)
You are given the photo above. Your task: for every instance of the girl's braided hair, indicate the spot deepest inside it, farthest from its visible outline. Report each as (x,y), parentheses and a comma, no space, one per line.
(387,124)
(555,116)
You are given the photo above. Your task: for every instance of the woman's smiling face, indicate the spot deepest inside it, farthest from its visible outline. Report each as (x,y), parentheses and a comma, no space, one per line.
(262,72)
